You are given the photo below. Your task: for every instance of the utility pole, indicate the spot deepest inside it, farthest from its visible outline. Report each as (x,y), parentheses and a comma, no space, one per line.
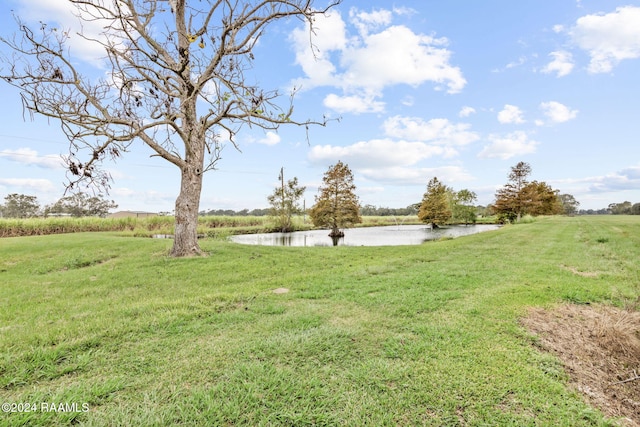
(282,182)
(283,207)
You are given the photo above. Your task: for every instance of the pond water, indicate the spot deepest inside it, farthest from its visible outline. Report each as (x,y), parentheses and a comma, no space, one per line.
(366,236)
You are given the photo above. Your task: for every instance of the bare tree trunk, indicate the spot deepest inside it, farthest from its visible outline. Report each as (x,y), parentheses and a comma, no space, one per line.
(185,241)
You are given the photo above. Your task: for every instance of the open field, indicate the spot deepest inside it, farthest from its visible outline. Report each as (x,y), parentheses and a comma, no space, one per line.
(413,335)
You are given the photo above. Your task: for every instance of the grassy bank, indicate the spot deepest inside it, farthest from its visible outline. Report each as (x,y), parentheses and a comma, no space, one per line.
(212,226)
(136,227)
(416,335)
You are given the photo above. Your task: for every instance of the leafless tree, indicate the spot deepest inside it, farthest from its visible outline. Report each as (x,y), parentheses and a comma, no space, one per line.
(176,81)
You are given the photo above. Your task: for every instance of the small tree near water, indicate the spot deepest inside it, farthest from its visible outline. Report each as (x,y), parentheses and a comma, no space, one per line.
(337,205)
(285,202)
(511,200)
(435,208)
(463,208)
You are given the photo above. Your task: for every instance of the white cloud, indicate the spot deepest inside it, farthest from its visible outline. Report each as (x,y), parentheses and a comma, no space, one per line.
(271,138)
(466,111)
(508,146)
(557,112)
(436,131)
(562,64)
(64,15)
(30,184)
(408,101)
(399,56)
(314,56)
(521,61)
(367,191)
(366,22)
(353,104)
(510,114)
(395,159)
(376,153)
(609,38)
(379,56)
(402,10)
(122,192)
(27,156)
(415,176)
(626,179)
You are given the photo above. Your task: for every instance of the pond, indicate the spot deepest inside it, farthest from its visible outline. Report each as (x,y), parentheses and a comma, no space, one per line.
(393,235)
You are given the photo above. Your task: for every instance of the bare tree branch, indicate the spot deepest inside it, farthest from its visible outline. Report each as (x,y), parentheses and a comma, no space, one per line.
(176,81)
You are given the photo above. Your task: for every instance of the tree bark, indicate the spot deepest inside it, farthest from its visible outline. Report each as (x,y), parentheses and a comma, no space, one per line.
(185,241)
(335,231)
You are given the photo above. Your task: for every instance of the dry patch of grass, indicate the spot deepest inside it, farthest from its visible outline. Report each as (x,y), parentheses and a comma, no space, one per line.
(600,349)
(577,272)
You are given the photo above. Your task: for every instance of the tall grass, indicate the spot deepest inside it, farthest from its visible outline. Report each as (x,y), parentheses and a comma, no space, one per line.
(134,226)
(145,227)
(369,221)
(41,226)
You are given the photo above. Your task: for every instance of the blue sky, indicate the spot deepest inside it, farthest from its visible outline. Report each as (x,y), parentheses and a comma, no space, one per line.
(461,90)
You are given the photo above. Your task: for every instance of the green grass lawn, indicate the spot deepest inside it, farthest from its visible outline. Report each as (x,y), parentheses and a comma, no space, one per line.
(397,336)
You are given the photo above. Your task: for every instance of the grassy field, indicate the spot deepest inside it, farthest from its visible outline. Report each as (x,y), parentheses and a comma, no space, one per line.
(396,336)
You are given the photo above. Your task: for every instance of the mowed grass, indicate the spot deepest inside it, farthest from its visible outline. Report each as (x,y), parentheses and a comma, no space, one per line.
(397,336)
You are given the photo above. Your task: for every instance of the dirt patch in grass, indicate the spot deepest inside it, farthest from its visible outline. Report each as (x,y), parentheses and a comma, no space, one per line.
(600,349)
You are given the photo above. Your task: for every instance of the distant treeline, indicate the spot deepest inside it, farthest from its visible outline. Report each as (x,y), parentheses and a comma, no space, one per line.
(366,210)
(370,210)
(603,211)
(625,208)
(231,212)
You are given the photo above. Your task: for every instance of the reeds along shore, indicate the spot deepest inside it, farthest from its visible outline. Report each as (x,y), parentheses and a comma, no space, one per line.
(137,226)
(146,227)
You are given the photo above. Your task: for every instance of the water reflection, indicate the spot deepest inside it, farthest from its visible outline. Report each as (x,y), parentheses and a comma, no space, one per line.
(366,236)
